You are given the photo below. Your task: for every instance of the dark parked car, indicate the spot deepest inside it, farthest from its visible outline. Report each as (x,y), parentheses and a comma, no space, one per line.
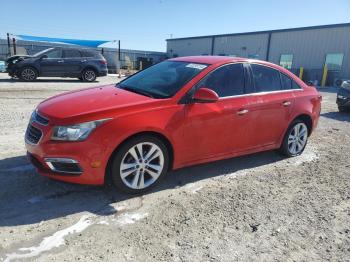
(58,62)
(343,96)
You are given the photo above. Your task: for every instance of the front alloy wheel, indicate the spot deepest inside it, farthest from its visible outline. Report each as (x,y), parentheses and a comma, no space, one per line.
(28,74)
(140,164)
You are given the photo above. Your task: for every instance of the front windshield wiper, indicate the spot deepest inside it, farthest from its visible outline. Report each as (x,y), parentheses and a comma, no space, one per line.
(138,91)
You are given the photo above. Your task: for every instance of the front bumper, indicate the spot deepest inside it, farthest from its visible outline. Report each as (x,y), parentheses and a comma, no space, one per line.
(51,158)
(343,98)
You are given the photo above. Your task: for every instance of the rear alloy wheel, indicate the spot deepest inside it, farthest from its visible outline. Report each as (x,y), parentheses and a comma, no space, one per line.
(89,75)
(140,164)
(295,139)
(28,74)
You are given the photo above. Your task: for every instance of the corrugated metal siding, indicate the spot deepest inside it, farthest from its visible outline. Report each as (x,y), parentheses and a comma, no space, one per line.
(243,46)
(309,48)
(189,47)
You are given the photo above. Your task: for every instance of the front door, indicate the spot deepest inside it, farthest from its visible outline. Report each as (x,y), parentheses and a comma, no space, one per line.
(212,130)
(52,64)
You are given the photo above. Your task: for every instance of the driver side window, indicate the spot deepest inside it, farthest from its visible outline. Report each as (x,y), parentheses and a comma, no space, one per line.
(226,81)
(54,54)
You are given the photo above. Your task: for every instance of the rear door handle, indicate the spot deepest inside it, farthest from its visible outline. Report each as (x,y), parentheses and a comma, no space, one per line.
(242,112)
(60,61)
(286,103)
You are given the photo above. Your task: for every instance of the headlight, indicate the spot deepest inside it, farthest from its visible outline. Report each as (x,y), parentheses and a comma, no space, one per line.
(76,132)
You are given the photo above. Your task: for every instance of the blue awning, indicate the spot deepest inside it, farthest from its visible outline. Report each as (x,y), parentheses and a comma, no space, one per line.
(89,43)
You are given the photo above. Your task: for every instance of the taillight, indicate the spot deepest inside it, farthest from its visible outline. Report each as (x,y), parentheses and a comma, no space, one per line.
(103,62)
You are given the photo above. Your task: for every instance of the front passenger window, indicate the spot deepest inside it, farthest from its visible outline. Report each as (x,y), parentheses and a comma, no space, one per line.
(226,81)
(54,54)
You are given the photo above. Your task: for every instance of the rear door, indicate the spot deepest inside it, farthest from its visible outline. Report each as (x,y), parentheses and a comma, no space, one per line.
(215,129)
(270,105)
(73,62)
(52,64)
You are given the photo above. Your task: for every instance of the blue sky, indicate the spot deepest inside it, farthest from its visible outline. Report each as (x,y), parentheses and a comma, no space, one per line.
(145,24)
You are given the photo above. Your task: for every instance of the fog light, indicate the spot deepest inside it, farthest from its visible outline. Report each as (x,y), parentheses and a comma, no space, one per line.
(64,165)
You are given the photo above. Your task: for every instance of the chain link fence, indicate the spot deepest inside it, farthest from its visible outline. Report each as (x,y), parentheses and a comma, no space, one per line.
(130,60)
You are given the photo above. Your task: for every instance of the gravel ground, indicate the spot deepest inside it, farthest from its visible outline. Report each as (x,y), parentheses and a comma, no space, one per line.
(260,207)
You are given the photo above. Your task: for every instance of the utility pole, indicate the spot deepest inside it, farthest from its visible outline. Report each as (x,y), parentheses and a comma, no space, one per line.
(14,46)
(8,44)
(119,58)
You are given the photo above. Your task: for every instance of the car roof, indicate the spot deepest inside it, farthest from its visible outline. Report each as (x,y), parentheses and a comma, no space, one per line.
(208,59)
(219,60)
(74,48)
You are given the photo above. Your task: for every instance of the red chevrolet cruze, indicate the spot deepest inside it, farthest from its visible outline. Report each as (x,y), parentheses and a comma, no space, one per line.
(180,112)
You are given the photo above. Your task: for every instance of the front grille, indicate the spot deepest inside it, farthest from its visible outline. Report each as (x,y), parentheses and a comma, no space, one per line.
(33,134)
(39,119)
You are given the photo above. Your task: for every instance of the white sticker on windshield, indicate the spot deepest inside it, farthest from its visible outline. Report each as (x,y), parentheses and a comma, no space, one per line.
(197,66)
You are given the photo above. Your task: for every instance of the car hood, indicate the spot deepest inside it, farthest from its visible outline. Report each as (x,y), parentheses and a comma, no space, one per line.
(86,102)
(17,57)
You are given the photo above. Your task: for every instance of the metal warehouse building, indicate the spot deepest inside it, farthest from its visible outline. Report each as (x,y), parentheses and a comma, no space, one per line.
(308,47)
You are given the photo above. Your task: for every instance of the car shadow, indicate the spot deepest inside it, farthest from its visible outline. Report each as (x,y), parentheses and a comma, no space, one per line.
(340,116)
(28,198)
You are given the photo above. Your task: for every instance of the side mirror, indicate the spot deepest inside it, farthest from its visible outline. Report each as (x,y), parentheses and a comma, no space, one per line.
(205,95)
(43,56)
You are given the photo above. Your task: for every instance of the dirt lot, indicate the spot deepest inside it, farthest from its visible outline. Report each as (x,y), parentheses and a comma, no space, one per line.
(260,207)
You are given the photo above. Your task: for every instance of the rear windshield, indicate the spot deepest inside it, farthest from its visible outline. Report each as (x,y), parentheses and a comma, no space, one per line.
(162,80)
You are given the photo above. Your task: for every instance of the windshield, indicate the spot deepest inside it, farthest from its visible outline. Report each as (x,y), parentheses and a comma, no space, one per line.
(42,52)
(162,80)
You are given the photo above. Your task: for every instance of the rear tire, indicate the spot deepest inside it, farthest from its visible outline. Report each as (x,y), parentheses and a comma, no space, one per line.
(139,164)
(27,74)
(89,75)
(295,139)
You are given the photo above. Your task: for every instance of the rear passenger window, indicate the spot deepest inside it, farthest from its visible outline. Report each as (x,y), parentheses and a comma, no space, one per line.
(226,81)
(71,53)
(87,53)
(288,83)
(266,79)
(295,85)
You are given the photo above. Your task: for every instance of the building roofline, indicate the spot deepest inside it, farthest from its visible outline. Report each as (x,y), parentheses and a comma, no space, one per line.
(264,32)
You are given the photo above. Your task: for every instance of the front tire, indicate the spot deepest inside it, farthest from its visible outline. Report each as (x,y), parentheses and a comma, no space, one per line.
(295,139)
(27,74)
(89,75)
(139,164)
(341,109)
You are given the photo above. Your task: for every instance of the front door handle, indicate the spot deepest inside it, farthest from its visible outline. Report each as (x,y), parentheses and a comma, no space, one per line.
(242,112)
(60,61)
(286,103)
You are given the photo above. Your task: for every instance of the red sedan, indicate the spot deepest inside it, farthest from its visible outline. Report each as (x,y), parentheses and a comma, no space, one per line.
(180,112)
